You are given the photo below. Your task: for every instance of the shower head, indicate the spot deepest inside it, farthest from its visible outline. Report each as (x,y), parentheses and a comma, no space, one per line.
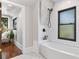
(50,10)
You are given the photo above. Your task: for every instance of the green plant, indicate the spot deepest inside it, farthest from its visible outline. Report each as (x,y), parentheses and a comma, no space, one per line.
(11,36)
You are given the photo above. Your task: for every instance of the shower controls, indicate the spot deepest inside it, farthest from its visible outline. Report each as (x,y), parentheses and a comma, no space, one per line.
(44,30)
(45,37)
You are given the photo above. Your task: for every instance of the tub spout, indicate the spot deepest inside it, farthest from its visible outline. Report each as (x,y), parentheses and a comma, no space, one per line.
(45,37)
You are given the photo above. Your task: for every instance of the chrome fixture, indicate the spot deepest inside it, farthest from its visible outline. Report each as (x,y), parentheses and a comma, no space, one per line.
(45,37)
(49,22)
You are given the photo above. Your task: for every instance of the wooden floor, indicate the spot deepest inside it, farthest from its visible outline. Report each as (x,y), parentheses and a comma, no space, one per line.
(10,50)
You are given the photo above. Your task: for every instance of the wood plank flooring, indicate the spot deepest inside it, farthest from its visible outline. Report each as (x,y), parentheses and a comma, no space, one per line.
(10,50)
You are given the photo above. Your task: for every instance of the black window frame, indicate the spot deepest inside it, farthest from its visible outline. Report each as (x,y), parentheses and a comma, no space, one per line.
(74,24)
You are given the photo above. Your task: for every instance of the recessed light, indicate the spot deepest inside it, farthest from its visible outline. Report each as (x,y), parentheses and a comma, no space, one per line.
(69,1)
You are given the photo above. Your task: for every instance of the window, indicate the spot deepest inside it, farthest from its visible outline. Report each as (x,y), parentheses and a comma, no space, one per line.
(4,24)
(67,24)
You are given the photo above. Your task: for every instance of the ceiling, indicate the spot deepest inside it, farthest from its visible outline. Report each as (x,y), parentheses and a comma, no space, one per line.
(25,2)
(29,2)
(10,10)
(56,0)
(14,10)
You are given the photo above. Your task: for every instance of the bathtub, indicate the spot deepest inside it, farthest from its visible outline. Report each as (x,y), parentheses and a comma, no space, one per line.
(51,50)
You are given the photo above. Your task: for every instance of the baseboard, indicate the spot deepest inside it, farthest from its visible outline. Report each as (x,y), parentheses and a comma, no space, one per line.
(28,50)
(18,45)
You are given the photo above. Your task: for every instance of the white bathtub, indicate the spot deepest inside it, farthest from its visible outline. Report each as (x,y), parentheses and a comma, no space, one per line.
(55,51)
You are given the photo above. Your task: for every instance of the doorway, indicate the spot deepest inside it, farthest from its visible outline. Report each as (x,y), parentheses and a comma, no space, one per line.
(8,33)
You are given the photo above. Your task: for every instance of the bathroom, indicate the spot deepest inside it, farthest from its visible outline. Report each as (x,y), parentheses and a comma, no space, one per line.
(41,32)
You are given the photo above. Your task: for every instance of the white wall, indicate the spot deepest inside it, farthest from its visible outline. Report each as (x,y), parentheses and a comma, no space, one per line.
(10,23)
(53,32)
(43,17)
(20,29)
(29,26)
(45,4)
(35,22)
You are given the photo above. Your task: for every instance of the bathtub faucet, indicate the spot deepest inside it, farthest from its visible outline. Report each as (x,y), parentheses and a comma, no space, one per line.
(45,37)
